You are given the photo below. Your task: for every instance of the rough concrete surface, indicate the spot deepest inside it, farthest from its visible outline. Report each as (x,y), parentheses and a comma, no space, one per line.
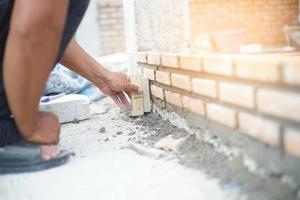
(107,166)
(104,168)
(155,19)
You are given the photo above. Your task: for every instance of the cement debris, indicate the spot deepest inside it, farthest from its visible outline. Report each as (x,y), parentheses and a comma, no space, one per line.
(102,130)
(107,167)
(168,143)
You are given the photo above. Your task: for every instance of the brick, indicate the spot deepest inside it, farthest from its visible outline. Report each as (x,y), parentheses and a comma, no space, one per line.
(149,73)
(157,92)
(222,115)
(292,141)
(181,81)
(193,105)
(218,64)
(173,98)
(163,77)
(260,128)
(239,94)
(279,103)
(153,58)
(191,62)
(142,57)
(170,60)
(291,72)
(205,87)
(258,68)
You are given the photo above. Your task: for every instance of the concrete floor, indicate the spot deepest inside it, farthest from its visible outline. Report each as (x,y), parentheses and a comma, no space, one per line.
(105,169)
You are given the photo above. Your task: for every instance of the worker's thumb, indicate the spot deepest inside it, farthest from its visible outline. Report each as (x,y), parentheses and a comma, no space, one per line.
(132,88)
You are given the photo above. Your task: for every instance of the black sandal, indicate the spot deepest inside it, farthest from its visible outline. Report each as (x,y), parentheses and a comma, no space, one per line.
(19,156)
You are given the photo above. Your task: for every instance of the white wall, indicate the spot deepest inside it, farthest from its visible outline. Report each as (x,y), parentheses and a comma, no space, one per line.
(88,33)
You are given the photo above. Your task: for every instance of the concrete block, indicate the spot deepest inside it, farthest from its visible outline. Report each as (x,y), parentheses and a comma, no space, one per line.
(221,64)
(292,141)
(205,87)
(279,103)
(68,108)
(181,81)
(146,95)
(157,92)
(137,99)
(238,94)
(163,77)
(173,98)
(193,105)
(191,62)
(154,58)
(169,60)
(222,115)
(260,128)
(258,68)
(142,57)
(291,72)
(149,73)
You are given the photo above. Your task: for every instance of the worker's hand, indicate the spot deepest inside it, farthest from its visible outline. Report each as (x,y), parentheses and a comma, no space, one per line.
(116,87)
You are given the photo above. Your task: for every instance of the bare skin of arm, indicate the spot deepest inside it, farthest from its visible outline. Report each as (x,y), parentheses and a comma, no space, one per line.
(113,84)
(34,25)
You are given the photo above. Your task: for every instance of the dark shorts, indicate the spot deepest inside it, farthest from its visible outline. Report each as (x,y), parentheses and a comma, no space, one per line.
(75,14)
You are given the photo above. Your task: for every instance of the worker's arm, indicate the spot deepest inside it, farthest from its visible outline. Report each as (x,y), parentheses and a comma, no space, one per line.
(31,49)
(111,83)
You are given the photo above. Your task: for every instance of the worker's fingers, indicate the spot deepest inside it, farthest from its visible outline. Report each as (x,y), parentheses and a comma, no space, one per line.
(128,94)
(117,101)
(125,101)
(132,88)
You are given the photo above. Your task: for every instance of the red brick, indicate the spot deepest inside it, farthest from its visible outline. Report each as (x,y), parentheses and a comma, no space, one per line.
(239,94)
(260,68)
(181,81)
(170,60)
(149,73)
(173,98)
(163,77)
(279,103)
(292,141)
(157,92)
(154,58)
(260,128)
(221,64)
(205,87)
(191,62)
(222,115)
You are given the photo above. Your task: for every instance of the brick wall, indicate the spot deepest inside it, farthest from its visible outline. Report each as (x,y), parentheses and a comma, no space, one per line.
(111,23)
(255,95)
(262,19)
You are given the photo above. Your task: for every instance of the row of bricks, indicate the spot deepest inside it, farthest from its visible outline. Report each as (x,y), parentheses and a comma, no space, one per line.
(266,68)
(257,127)
(282,104)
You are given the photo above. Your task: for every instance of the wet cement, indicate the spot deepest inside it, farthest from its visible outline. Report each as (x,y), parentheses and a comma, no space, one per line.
(199,154)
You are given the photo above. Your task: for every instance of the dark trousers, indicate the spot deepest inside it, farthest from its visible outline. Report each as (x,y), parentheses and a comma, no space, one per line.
(75,14)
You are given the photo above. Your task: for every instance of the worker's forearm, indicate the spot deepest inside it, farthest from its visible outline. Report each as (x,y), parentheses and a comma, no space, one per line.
(30,53)
(77,60)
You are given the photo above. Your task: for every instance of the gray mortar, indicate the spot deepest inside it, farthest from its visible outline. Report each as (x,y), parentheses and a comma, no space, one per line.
(226,164)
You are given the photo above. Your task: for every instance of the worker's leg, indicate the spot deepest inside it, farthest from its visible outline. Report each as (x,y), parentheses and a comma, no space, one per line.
(75,13)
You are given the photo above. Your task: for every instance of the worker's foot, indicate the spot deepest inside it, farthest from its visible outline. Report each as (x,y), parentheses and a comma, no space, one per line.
(18,155)
(49,152)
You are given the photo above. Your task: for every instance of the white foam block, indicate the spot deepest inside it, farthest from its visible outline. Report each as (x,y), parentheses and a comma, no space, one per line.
(68,108)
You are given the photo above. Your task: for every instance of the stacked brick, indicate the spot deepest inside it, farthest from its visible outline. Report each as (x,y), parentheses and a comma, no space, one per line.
(262,19)
(257,94)
(111,23)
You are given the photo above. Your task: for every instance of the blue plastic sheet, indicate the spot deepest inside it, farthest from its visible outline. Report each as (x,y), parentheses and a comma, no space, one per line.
(63,80)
